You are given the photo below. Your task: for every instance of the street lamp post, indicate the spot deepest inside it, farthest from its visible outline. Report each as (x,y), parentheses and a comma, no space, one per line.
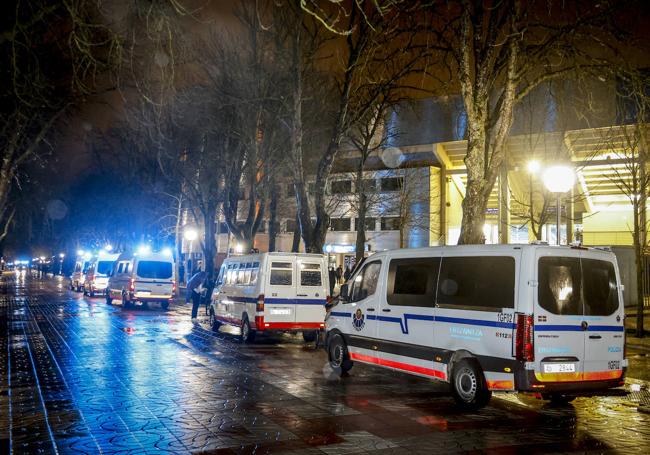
(558,179)
(61,257)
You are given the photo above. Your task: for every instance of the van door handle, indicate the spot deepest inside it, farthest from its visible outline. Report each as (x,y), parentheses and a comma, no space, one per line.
(386,310)
(595,337)
(370,309)
(301,295)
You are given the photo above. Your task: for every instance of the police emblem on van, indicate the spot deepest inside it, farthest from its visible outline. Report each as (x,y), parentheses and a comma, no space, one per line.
(358,321)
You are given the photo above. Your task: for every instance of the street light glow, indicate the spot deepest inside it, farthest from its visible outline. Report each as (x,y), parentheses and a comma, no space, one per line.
(190,234)
(108,247)
(533,166)
(559,178)
(80,252)
(61,255)
(143,249)
(239,248)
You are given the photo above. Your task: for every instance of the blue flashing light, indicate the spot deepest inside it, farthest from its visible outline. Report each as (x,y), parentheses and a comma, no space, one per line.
(144,249)
(167,251)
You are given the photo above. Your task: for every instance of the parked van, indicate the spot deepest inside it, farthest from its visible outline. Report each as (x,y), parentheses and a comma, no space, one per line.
(527,318)
(78,276)
(96,278)
(271,292)
(141,278)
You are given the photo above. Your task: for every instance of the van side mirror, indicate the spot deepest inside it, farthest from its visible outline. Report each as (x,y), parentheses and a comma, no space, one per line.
(343,292)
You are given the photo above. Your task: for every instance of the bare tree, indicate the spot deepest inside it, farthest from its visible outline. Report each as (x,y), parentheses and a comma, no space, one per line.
(496,54)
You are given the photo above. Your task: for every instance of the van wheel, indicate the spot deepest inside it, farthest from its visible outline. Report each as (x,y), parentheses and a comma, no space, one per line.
(468,385)
(309,335)
(247,335)
(214,323)
(338,354)
(164,304)
(557,399)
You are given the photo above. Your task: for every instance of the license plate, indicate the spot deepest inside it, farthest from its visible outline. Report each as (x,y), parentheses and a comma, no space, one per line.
(143,292)
(281,311)
(559,368)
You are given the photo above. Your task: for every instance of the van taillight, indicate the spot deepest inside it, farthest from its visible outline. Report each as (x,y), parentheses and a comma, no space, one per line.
(173,286)
(524,341)
(132,286)
(259,312)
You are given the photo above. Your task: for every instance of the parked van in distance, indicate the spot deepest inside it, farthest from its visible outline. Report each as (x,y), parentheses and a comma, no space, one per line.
(81,267)
(96,278)
(268,292)
(141,278)
(527,318)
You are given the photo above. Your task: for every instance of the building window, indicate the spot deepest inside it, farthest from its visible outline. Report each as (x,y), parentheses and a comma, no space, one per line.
(291,190)
(370,224)
(291,226)
(340,224)
(392,183)
(223,228)
(390,223)
(341,187)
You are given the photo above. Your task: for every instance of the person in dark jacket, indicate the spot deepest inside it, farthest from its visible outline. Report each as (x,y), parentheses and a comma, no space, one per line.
(332,276)
(195,286)
(346,275)
(339,274)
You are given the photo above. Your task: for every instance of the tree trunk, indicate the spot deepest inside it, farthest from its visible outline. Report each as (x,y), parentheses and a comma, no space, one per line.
(209,240)
(361,220)
(295,245)
(638,259)
(178,239)
(273,215)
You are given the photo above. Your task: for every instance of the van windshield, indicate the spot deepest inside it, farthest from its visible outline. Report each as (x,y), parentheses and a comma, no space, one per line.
(154,269)
(104,267)
(574,286)
(86,266)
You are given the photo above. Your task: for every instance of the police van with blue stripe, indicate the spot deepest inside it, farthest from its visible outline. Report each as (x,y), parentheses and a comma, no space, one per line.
(271,292)
(519,318)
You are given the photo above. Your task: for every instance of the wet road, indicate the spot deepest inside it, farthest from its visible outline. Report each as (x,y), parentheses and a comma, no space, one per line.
(79,376)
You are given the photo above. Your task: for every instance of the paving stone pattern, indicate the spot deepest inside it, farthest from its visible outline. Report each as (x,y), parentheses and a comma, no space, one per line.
(80,376)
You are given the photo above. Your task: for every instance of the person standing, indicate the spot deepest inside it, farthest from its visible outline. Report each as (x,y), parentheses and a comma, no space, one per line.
(339,274)
(348,272)
(195,286)
(332,276)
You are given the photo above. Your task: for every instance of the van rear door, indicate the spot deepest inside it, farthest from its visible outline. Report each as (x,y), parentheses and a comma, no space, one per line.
(604,315)
(311,291)
(154,279)
(559,328)
(279,308)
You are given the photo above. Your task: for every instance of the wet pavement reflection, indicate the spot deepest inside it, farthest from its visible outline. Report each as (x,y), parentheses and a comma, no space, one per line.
(80,376)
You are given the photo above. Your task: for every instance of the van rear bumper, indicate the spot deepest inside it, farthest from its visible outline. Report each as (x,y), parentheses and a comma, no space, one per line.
(525,381)
(290,326)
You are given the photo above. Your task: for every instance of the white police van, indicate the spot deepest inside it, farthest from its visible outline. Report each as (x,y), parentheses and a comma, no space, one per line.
(268,292)
(529,318)
(98,273)
(140,278)
(81,266)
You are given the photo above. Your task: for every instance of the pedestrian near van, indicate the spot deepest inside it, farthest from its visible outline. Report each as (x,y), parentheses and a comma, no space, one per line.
(348,272)
(332,276)
(195,286)
(339,274)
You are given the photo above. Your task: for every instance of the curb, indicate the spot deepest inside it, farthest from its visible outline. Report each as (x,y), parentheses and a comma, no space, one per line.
(643,408)
(640,346)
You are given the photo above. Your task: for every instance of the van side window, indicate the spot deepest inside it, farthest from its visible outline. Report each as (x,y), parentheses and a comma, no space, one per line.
(126,267)
(241,274)
(120,267)
(559,285)
(413,282)
(221,277)
(310,275)
(281,274)
(477,281)
(365,282)
(254,272)
(247,273)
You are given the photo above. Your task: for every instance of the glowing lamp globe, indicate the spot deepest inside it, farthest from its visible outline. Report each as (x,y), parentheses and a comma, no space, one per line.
(559,179)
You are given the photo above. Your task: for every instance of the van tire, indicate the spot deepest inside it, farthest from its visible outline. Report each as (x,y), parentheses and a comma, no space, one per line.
(214,323)
(558,399)
(247,335)
(309,335)
(468,385)
(338,354)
